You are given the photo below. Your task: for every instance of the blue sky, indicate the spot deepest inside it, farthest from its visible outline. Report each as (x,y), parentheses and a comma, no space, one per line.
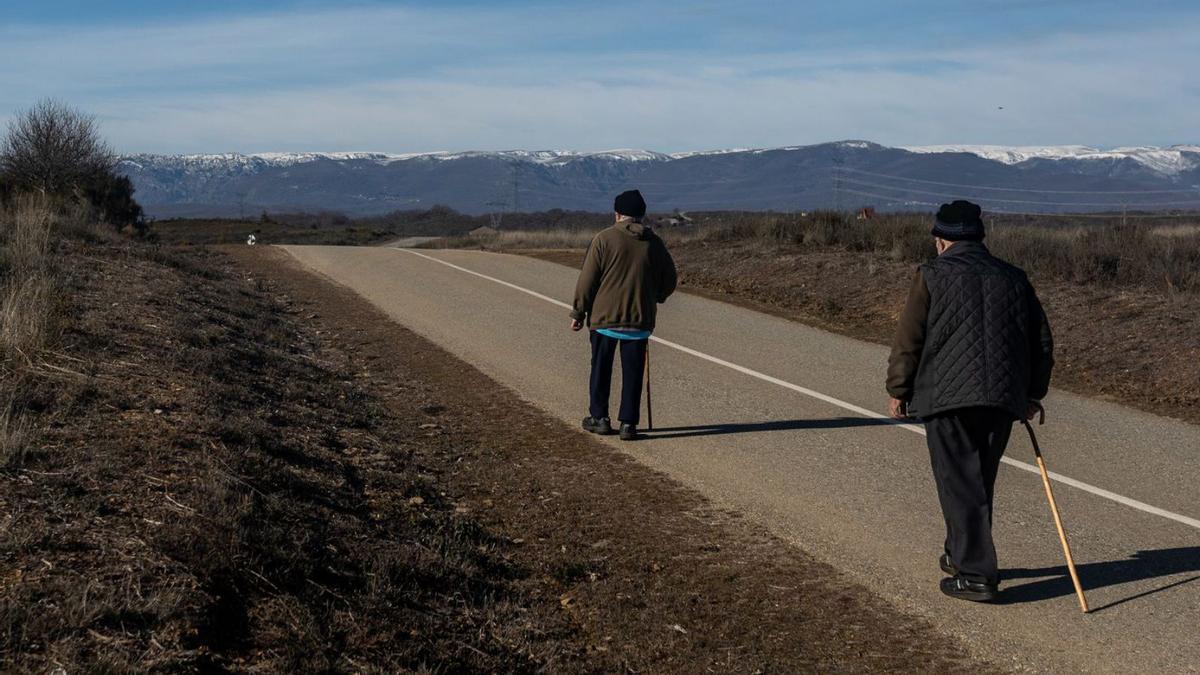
(221,75)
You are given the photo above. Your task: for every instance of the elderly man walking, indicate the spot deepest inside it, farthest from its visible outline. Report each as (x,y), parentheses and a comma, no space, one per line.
(628,272)
(972,354)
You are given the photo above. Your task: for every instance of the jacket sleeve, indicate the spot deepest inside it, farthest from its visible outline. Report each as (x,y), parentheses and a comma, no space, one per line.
(1041,349)
(664,269)
(909,341)
(588,283)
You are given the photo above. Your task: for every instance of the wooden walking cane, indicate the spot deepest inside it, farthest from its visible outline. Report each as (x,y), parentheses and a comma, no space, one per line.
(1062,533)
(649,408)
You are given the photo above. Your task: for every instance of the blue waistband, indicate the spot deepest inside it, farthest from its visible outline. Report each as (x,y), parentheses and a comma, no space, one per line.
(624,333)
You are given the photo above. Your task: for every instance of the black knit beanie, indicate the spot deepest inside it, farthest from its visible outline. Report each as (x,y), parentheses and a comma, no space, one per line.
(630,203)
(959,220)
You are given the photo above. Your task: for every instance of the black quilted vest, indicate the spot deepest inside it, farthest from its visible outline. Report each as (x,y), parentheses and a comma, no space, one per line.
(977,337)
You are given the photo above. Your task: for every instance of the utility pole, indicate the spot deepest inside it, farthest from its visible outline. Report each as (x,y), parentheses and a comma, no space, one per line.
(496,215)
(837,183)
(516,184)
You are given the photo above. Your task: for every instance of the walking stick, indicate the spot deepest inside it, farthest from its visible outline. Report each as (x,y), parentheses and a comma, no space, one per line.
(649,407)
(1062,533)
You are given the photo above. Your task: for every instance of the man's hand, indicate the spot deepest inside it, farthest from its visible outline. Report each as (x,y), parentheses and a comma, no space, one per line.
(576,325)
(1034,410)
(898,409)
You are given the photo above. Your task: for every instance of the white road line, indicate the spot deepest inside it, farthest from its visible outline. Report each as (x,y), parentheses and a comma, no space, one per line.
(1065,480)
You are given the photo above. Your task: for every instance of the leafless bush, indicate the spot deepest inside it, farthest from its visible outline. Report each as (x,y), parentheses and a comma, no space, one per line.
(52,148)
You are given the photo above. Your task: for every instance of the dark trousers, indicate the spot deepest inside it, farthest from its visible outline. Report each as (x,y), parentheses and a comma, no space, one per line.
(965,447)
(633,363)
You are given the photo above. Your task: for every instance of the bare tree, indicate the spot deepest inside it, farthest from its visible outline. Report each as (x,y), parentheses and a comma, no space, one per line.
(53,148)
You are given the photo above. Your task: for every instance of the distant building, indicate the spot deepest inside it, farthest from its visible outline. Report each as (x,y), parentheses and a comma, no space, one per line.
(679,219)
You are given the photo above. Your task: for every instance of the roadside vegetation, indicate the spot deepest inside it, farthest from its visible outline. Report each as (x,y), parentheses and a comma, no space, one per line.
(342,230)
(30,311)
(56,175)
(1161,254)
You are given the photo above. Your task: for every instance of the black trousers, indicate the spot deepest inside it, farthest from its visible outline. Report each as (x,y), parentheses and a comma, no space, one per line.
(965,447)
(633,363)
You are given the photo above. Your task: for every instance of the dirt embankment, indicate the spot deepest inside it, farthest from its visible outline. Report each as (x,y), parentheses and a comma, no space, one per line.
(240,467)
(1133,346)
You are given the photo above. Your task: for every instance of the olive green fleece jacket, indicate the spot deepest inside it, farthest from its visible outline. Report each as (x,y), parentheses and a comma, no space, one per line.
(628,272)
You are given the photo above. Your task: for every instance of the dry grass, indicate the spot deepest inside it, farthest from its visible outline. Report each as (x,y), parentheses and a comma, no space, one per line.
(27,316)
(26,237)
(15,437)
(30,312)
(1161,256)
(279,526)
(29,289)
(510,239)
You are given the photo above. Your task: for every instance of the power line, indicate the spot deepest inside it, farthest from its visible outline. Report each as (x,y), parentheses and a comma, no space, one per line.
(1010,189)
(897,200)
(1016,201)
(760,188)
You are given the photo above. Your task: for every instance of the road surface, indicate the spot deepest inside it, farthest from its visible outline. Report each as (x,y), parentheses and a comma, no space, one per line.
(775,419)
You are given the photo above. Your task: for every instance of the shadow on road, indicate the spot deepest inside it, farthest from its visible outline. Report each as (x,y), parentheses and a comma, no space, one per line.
(779,425)
(1143,565)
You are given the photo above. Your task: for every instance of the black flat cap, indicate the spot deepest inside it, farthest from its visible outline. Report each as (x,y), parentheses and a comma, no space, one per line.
(959,220)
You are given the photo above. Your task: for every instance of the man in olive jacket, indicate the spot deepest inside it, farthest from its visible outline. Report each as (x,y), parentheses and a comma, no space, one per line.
(973,353)
(628,272)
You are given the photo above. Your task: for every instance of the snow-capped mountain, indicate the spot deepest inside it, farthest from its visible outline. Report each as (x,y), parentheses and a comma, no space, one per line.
(846,174)
(1170,160)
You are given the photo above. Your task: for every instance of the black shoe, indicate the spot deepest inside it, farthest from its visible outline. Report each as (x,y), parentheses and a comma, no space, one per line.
(965,589)
(947,565)
(600,426)
(629,432)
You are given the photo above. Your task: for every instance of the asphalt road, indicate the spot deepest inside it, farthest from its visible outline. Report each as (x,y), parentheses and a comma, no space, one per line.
(772,418)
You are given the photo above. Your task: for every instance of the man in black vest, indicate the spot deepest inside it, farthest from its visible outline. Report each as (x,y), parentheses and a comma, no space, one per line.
(972,354)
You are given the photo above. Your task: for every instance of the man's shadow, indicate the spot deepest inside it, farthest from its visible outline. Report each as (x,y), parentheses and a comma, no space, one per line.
(1141,566)
(778,425)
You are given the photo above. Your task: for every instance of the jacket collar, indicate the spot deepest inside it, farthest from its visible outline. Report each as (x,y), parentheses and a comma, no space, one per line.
(633,228)
(965,247)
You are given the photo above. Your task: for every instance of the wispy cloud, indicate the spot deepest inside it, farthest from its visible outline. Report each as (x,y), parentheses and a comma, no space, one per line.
(499,76)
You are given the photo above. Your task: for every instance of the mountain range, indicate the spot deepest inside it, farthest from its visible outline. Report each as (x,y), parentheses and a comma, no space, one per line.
(844,174)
